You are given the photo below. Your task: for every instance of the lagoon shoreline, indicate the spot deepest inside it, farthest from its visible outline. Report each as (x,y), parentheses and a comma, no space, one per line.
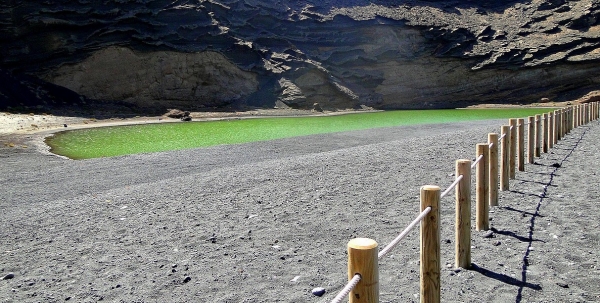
(269,221)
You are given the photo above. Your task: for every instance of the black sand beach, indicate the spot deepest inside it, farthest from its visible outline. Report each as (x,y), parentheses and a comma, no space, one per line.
(269,221)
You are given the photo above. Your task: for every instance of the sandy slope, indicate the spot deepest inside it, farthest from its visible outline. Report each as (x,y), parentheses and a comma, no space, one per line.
(269,221)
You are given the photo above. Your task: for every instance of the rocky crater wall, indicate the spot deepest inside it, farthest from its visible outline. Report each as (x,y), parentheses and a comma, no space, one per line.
(340,54)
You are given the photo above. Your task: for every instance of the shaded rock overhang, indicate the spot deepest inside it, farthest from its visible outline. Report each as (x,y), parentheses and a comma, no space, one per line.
(385,54)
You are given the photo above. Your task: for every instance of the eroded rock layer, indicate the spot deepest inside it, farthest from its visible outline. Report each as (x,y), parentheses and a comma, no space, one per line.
(340,54)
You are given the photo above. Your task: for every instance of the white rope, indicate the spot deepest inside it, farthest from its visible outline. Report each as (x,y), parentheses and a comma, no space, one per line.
(476,161)
(452,186)
(491,145)
(511,127)
(401,236)
(349,287)
(502,137)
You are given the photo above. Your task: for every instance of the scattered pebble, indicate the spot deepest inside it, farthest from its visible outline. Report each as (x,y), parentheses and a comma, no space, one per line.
(563,285)
(497,243)
(488,234)
(187,279)
(8,276)
(295,279)
(318,291)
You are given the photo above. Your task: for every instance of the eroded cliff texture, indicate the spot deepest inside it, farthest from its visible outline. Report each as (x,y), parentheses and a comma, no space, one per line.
(340,54)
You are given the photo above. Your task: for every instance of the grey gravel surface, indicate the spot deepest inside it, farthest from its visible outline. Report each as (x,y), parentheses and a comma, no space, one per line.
(269,221)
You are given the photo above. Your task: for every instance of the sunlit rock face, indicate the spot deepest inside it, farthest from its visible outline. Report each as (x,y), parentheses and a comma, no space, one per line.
(340,54)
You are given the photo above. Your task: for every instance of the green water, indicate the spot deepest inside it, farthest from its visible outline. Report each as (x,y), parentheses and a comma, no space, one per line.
(124,140)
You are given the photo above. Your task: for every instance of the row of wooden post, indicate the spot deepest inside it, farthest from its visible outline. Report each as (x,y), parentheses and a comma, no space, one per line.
(493,171)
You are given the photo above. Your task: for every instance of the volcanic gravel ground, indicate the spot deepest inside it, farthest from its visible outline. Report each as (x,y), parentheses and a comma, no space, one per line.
(269,221)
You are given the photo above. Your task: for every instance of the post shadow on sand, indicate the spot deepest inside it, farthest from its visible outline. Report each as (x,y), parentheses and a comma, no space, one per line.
(504,278)
(522,283)
(519,211)
(541,196)
(514,235)
(530,181)
(536,214)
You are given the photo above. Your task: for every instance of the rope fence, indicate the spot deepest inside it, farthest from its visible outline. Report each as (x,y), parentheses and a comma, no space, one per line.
(492,173)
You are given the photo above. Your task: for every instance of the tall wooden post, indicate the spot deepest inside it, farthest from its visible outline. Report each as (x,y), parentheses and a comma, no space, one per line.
(362,260)
(493,167)
(513,147)
(567,121)
(521,144)
(530,139)
(545,133)
(463,215)
(538,138)
(550,130)
(430,245)
(587,113)
(577,117)
(482,190)
(556,124)
(562,124)
(504,157)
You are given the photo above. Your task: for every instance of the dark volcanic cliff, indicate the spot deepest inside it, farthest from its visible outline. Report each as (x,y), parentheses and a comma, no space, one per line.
(341,54)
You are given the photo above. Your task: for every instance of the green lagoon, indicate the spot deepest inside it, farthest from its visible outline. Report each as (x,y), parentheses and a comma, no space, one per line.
(124,140)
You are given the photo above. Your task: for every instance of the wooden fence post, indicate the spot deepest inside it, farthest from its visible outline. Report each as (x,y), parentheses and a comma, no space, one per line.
(362,260)
(561,124)
(556,124)
(538,138)
(513,147)
(545,133)
(493,167)
(550,130)
(568,121)
(504,157)
(430,245)
(463,215)
(482,188)
(577,116)
(521,144)
(588,111)
(530,138)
